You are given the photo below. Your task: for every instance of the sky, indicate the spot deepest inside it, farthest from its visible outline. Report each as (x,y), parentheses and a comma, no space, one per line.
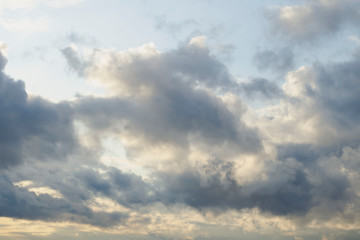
(184,120)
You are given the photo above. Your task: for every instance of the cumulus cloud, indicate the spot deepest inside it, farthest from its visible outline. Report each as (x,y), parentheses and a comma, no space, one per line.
(313,19)
(163,100)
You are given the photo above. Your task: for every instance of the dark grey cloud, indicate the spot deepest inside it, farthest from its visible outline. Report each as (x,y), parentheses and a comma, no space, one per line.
(20,203)
(127,189)
(291,190)
(33,132)
(32,128)
(277,60)
(313,19)
(339,91)
(304,153)
(292,196)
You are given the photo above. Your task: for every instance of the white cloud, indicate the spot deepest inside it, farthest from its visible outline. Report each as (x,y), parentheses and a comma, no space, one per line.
(199,41)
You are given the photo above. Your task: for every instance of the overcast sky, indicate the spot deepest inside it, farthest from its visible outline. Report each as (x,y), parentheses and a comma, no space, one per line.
(184,120)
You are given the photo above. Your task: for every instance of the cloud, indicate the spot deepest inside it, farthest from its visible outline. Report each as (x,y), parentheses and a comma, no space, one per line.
(19,203)
(193,60)
(183,114)
(333,90)
(186,116)
(162,23)
(278,60)
(78,38)
(178,116)
(313,19)
(32,128)
(161,100)
(39,136)
(220,190)
(260,87)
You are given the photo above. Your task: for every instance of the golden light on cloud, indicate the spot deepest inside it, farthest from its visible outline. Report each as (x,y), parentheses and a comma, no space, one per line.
(38,190)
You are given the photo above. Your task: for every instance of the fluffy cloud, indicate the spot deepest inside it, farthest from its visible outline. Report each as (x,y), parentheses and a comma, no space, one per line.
(163,99)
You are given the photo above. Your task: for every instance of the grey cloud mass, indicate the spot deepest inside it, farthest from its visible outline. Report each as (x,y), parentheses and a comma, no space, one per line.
(21,203)
(32,128)
(291,196)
